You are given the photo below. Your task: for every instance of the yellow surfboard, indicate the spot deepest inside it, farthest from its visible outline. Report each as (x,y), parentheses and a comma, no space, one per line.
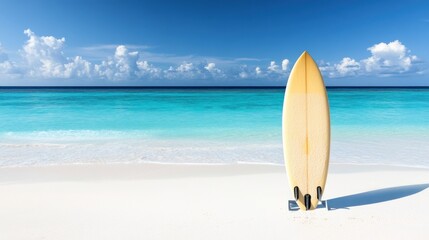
(306,132)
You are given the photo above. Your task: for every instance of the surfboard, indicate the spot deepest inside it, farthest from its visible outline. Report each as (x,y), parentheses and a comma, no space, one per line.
(306,132)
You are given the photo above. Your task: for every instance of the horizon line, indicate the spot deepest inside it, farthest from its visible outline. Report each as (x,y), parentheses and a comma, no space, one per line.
(77,86)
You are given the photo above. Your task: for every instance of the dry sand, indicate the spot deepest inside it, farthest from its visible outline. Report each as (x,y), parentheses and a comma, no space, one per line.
(155,201)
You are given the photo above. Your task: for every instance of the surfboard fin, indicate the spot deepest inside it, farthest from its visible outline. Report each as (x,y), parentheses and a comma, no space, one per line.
(319,193)
(307,201)
(296,193)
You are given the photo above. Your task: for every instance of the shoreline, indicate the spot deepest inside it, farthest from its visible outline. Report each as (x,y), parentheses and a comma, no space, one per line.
(409,154)
(332,166)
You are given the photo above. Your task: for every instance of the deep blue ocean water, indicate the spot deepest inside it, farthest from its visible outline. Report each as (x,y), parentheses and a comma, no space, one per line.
(203,125)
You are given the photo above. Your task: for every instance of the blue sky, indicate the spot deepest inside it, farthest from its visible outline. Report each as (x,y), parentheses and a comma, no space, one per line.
(212,42)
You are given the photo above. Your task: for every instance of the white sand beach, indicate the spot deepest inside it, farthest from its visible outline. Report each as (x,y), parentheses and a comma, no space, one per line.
(162,201)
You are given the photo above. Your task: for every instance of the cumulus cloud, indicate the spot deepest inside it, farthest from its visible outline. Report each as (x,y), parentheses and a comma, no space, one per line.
(273,67)
(44,55)
(347,66)
(147,70)
(391,58)
(211,67)
(276,71)
(186,67)
(188,70)
(45,58)
(7,67)
(77,67)
(285,64)
(122,66)
(214,71)
(273,71)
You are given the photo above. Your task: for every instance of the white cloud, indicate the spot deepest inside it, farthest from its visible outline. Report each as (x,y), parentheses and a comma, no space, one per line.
(214,71)
(211,67)
(285,64)
(45,58)
(192,71)
(147,70)
(274,71)
(186,67)
(122,66)
(77,67)
(186,70)
(386,59)
(273,67)
(44,55)
(389,58)
(7,67)
(347,66)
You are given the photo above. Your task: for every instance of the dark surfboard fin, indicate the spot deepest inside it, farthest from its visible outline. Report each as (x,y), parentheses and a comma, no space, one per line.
(319,193)
(296,193)
(307,201)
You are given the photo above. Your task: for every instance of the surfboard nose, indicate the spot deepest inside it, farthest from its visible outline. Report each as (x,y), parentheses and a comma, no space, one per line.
(305,52)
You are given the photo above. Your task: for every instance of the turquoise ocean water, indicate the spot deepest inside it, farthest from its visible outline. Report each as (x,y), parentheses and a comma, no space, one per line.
(43,126)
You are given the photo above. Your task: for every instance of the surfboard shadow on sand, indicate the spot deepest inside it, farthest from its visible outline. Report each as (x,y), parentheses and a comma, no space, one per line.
(375,196)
